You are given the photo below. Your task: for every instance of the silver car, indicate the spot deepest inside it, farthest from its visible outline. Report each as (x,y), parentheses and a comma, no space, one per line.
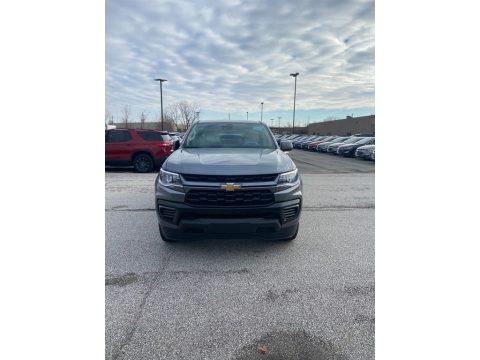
(365,152)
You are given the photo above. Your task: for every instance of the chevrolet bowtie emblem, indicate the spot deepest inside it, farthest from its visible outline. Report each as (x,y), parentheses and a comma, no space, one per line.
(230,187)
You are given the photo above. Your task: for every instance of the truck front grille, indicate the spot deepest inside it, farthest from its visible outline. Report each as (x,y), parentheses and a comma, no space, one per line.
(230,178)
(227,198)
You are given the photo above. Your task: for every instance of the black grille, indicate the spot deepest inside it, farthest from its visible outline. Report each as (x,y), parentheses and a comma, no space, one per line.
(230,178)
(290,213)
(229,198)
(167,214)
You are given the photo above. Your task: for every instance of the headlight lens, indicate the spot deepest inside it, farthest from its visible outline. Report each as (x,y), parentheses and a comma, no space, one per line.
(288,178)
(170,179)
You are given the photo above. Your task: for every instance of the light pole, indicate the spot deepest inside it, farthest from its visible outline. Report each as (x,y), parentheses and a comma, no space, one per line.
(247,115)
(294,98)
(161,97)
(272,123)
(261,113)
(198,115)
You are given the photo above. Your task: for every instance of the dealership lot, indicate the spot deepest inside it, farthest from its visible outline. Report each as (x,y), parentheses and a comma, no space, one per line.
(221,299)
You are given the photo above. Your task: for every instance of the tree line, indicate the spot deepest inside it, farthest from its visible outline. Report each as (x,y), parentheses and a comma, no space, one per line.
(178,116)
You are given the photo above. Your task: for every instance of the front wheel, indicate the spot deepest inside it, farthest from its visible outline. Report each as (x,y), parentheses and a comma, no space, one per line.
(143,163)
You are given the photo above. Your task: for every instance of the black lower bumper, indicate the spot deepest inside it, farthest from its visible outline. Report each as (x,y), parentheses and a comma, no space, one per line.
(179,221)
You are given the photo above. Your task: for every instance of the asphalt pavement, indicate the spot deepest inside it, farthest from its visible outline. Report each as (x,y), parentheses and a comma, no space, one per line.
(312,298)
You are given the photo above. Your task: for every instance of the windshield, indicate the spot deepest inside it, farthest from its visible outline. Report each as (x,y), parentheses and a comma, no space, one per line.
(363,141)
(229,135)
(339,140)
(352,140)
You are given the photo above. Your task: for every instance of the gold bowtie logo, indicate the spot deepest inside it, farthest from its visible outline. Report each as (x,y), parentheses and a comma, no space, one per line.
(230,187)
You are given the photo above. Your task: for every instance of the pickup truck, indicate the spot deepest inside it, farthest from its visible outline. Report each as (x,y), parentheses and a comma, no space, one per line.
(229,179)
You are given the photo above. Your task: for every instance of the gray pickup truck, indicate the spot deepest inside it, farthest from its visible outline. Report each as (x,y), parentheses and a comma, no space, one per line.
(231,180)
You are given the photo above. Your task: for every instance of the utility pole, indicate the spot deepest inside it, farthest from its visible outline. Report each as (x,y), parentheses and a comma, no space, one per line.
(294,98)
(261,113)
(161,97)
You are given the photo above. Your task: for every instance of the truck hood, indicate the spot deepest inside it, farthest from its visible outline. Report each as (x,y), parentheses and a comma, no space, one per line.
(228,161)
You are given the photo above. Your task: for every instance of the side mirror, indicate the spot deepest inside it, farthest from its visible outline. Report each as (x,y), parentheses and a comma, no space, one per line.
(286,146)
(176,144)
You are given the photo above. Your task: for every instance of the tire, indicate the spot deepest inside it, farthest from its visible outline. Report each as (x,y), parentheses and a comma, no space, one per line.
(143,163)
(164,238)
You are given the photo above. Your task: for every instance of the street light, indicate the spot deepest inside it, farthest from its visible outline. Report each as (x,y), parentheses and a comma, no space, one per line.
(294,98)
(161,97)
(247,115)
(261,113)
(198,115)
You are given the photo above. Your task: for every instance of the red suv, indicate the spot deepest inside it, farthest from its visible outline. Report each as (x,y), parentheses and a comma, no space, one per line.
(142,149)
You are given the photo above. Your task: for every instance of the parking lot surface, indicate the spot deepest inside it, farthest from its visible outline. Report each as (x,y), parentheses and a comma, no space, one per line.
(312,298)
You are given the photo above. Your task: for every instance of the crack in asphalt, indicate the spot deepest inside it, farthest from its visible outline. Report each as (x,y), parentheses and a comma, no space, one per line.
(136,320)
(340,207)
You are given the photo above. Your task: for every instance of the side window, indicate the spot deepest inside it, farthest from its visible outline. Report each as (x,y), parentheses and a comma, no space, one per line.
(153,136)
(119,136)
(147,136)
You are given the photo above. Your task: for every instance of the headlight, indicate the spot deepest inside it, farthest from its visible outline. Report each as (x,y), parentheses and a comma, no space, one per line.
(288,178)
(171,180)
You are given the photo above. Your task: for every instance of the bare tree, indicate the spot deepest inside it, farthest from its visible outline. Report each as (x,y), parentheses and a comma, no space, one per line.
(125,115)
(172,115)
(142,119)
(168,124)
(107,117)
(188,113)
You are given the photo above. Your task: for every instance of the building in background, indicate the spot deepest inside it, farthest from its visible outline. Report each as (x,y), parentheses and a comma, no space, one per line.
(348,126)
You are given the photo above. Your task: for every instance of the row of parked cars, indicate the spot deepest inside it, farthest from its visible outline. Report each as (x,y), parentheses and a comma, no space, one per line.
(361,146)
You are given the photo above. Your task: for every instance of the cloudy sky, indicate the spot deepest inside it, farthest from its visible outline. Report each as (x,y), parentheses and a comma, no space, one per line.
(230,55)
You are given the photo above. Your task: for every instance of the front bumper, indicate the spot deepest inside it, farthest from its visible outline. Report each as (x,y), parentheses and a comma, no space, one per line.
(181,221)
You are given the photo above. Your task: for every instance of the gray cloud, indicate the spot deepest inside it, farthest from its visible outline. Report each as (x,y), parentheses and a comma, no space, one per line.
(228,55)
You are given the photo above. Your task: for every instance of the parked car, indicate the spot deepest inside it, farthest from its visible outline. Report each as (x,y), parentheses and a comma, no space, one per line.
(142,149)
(348,150)
(297,143)
(324,145)
(230,178)
(365,152)
(332,148)
(316,138)
(313,145)
(373,155)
